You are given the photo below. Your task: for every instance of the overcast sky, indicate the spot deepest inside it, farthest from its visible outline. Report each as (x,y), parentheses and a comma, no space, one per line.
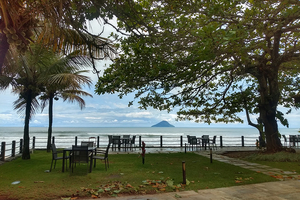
(104,111)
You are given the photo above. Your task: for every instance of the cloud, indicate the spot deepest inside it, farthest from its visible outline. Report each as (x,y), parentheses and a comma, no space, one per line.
(36,122)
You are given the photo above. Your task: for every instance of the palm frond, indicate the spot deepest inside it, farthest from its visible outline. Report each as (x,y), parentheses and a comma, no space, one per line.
(67,40)
(74,98)
(20,106)
(5,81)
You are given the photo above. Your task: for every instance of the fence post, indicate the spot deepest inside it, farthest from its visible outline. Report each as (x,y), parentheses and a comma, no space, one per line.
(21,145)
(98,141)
(75,140)
(161,141)
(53,140)
(33,142)
(140,141)
(221,141)
(181,141)
(2,151)
(13,148)
(243,142)
(183,173)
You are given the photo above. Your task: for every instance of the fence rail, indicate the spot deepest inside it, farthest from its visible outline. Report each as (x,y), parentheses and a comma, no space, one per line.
(11,150)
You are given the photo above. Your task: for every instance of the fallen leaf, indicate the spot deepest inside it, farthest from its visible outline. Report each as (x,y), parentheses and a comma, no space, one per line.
(156,185)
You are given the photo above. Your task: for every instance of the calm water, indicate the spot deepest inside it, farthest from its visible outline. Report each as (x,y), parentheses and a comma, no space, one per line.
(8,134)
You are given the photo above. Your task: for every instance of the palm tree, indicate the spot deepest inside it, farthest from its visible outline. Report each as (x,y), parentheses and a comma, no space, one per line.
(35,73)
(28,81)
(57,24)
(65,82)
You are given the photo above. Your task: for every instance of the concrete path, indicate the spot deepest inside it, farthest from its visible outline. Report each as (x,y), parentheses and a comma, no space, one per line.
(287,188)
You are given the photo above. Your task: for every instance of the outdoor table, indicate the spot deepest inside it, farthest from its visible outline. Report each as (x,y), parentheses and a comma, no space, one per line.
(92,149)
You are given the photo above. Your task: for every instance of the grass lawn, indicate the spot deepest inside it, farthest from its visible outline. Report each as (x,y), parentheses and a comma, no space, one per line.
(282,160)
(126,175)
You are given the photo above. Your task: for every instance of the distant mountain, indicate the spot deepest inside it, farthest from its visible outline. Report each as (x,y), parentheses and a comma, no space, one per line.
(163,124)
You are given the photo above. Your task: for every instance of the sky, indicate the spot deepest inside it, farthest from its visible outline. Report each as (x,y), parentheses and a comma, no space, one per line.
(105,111)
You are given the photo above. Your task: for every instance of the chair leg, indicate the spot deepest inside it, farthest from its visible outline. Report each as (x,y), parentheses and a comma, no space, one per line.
(54,164)
(51,165)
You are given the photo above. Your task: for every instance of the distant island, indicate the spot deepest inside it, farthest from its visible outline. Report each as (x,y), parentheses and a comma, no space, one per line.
(163,124)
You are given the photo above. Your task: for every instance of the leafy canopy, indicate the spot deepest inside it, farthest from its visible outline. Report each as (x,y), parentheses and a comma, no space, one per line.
(211,58)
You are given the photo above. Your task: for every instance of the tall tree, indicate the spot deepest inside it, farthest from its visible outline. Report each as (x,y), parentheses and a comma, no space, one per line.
(29,81)
(53,21)
(213,59)
(65,81)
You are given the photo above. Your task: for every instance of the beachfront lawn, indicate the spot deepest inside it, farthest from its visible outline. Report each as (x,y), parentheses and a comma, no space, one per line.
(282,160)
(126,175)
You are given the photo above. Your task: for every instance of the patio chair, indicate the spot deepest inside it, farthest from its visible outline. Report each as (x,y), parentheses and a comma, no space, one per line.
(293,140)
(194,142)
(80,154)
(55,156)
(93,139)
(116,141)
(132,142)
(213,142)
(205,141)
(102,155)
(126,141)
(284,141)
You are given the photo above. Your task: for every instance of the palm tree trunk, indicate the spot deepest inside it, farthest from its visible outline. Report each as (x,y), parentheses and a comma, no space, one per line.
(26,151)
(4,46)
(50,123)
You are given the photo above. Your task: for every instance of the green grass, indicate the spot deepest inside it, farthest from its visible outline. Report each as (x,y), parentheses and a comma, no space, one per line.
(282,160)
(126,174)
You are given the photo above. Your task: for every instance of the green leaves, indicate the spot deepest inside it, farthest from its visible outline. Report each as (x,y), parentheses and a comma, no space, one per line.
(212,59)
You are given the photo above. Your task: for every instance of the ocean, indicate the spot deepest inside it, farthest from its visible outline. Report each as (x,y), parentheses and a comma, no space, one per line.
(231,136)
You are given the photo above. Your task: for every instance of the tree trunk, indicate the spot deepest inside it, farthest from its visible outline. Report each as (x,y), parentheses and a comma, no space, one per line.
(272,134)
(4,46)
(50,124)
(269,94)
(26,150)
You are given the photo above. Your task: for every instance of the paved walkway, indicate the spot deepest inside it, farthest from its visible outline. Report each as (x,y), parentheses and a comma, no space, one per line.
(287,188)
